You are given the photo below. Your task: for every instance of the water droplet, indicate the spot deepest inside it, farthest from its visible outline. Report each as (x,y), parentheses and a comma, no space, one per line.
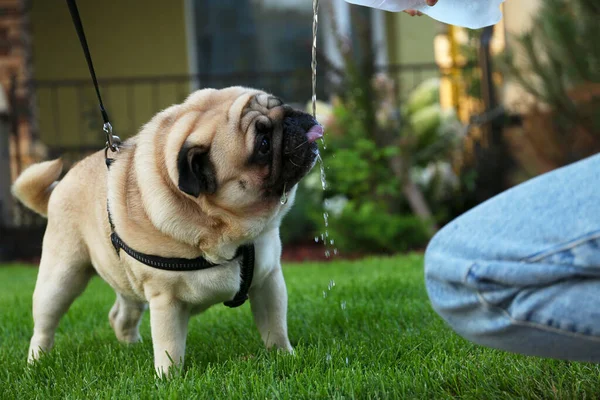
(346,360)
(331,242)
(335,251)
(284,199)
(326,203)
(324,294)
(322,166)
(331,284)
(316,239)
(343,304)
(328,357)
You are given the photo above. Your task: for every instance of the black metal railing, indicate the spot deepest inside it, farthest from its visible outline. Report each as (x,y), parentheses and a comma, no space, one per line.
(69,120)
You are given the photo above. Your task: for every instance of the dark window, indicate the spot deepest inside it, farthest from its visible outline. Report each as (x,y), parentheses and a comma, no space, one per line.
(265,44)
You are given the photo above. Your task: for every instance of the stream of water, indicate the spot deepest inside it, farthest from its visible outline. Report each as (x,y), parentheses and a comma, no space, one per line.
(324,236)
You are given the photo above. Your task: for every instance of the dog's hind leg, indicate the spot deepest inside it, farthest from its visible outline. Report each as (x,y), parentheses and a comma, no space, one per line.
(125,317)
(63,275)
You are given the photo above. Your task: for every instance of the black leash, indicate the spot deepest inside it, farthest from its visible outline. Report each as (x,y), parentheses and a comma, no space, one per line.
(112,142)
(168,264)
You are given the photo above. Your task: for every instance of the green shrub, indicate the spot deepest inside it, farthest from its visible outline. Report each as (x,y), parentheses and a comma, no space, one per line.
(367,212)
(372,204)
(425,95)
(366,227)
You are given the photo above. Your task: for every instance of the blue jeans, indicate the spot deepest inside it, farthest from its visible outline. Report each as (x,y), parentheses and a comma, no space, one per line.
(521,272)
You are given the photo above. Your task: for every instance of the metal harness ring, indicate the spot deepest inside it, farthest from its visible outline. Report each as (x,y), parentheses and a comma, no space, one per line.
(112,141)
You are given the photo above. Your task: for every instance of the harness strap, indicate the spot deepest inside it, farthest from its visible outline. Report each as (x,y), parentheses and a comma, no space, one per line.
(167,264)
(247,272)
(246,252)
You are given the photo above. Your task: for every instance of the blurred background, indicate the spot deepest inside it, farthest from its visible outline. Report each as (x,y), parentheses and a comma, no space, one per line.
(423,120)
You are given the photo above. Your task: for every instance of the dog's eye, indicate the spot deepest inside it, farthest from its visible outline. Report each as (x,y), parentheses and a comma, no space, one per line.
(265,146)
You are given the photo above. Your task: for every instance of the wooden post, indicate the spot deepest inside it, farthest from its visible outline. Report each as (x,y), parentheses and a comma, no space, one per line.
(6,203)
(454,68)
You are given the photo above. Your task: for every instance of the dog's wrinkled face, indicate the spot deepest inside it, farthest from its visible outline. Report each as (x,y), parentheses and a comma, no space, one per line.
(244,149)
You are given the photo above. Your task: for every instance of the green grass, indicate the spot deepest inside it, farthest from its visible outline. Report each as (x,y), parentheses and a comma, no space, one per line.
(372,335)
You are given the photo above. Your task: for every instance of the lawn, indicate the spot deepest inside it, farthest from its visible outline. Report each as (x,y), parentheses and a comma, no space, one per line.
(361,329)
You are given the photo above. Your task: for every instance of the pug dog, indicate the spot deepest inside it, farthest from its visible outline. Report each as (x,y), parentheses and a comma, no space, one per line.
(201,179)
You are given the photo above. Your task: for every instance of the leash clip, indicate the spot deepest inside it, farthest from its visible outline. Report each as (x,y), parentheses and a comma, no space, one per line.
(112,141)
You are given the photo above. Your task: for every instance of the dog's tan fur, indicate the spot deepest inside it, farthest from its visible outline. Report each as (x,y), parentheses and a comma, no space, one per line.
(153,216)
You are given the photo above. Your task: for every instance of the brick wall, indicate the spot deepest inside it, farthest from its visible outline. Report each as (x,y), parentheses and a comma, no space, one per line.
(13,69)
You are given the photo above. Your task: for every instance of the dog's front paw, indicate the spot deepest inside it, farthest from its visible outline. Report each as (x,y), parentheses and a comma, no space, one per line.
(285,348)
(39,345)
(280,343)
(168,370)
(288,350)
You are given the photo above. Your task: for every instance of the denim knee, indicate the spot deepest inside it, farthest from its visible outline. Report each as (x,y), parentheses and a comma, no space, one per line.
(445,279)
(521,271)
(530,307)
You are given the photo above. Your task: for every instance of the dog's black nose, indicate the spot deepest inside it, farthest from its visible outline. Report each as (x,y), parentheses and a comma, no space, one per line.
(300,123)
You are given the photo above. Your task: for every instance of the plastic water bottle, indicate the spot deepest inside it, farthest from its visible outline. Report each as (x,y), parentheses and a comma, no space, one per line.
(472,14)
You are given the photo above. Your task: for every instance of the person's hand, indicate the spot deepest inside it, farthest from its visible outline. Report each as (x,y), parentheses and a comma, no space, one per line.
(412,13)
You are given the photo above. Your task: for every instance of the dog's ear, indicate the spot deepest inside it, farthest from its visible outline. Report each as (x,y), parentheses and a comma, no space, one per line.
(196,172)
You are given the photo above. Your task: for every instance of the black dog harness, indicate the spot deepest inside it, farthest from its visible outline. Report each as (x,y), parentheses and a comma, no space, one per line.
(246,252)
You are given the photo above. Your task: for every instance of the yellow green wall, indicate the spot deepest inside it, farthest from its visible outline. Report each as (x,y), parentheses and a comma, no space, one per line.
(127,38)
(411,38)
(410,41)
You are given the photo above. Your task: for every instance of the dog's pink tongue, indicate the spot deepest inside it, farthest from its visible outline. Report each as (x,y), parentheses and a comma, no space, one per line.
(316,132)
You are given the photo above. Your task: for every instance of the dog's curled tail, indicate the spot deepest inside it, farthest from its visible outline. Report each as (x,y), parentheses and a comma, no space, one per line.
(34,186)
